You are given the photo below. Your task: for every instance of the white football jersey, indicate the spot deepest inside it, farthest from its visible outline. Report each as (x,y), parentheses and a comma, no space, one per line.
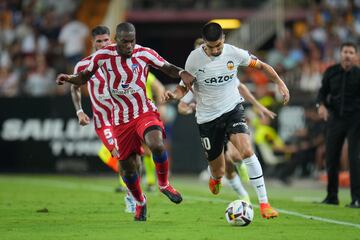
(216,82)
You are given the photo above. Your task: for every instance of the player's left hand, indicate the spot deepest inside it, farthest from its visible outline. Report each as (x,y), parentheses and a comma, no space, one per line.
(264,112)
(62,78)
(83,119)
(284,91)
(187,78)
(167,96)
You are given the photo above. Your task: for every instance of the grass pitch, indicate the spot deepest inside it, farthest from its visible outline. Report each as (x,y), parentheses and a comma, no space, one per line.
(86,207)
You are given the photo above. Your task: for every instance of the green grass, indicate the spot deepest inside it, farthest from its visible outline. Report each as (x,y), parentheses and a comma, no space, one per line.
(88,208)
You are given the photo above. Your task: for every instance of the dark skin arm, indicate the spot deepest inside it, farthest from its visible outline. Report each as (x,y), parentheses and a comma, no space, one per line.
(175,72)
(76,79)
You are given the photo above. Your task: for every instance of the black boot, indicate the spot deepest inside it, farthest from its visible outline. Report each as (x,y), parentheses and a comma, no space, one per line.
(331,200)
(354,204)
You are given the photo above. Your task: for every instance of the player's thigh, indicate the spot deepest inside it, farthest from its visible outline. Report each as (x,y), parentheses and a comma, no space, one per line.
(238,132)
(242,142)
(151,130)
(232,154)
(106,135)
(126,140)
(212,136)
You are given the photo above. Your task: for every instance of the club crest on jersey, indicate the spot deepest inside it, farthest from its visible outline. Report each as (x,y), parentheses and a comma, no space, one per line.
(230,65)
(135,68)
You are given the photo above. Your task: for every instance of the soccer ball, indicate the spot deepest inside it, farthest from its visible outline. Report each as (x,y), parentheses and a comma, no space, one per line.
(239,213)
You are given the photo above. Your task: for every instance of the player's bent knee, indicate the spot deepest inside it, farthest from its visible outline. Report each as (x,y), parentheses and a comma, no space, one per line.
(157,148)
(246,153)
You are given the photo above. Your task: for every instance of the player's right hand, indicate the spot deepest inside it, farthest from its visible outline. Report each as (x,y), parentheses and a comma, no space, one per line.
(167,96)
(83,119)
(62,78)
(188,79)
(284,91)
(264,112)
(323,112)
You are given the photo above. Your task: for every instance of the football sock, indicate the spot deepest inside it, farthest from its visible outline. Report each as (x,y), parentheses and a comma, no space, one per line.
(133,184)
(149,167)
(256,177)
(237,186)
(162,169)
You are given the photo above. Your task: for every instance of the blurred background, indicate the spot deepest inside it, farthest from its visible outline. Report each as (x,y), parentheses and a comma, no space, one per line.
(39,131)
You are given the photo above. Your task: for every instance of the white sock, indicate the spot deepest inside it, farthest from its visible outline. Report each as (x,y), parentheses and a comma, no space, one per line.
(256,177)
(236,185)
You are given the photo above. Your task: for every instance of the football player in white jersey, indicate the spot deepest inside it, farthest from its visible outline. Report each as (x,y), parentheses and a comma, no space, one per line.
(187,105)
(219,110)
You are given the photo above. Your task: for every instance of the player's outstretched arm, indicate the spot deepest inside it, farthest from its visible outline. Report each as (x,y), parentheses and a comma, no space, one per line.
(175,72)
(284,91)
(76,99)
(186,108)
(177,94)
(263,111)
(158,88)
(76,79)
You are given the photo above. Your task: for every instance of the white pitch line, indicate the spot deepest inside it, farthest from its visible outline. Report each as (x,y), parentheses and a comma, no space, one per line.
(281,211)
(102,188)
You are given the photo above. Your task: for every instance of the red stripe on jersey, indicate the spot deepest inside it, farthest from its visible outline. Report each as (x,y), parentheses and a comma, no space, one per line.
(147,60)
(128,71)
(101,83)
(130,78)
(139,82)
(80,68)
(151,51)
(116,84)
(96,87)
(117,74)
(95,112)
(95,61)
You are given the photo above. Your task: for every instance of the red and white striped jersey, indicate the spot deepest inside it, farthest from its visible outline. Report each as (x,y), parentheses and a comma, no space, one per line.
(99,95)
(126,79)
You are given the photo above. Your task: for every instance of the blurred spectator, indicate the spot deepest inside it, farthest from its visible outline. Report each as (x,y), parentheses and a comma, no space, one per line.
(9,82)
(305,144)
(73,37)
(40,82)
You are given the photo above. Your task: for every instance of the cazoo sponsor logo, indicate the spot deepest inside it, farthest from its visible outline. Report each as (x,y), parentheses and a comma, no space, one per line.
(218,80)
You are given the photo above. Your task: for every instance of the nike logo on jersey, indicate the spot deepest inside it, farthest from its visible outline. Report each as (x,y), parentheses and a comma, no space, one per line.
(109,69)
(147,123)
(201,70)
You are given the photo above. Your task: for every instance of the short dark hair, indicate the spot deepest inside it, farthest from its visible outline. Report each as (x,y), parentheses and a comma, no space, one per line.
(212,32)
(348,44)
(100,30)
(125,27)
